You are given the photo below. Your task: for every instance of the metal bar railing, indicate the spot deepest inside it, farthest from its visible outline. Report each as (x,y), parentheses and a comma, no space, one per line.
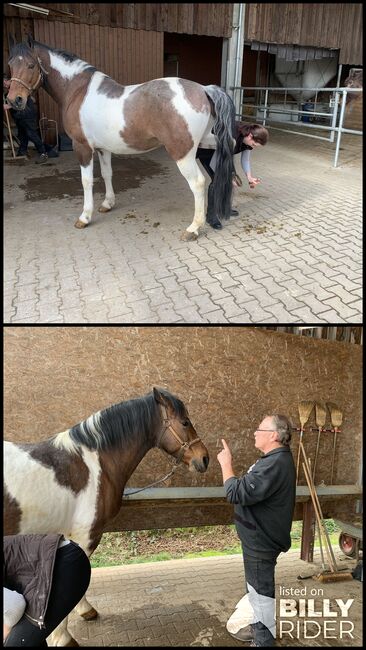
(269,110)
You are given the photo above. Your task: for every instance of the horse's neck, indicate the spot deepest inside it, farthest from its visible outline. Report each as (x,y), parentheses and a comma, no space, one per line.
(54,84)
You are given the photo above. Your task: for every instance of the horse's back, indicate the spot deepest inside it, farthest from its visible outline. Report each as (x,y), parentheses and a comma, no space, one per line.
(169,111)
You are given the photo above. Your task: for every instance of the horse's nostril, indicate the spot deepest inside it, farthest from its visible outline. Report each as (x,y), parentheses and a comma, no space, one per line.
(206,461)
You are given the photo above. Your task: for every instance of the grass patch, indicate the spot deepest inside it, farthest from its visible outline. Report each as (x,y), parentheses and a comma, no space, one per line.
(136,547)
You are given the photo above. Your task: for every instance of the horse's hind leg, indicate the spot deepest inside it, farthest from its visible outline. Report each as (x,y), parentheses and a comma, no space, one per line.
(196,181)
(106,171)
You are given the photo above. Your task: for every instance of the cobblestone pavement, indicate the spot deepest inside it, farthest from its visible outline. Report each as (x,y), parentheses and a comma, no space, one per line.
(188,602)
(293,255)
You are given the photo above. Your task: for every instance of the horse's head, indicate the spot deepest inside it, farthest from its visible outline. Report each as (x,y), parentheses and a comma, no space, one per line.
(178,436)
(26,72)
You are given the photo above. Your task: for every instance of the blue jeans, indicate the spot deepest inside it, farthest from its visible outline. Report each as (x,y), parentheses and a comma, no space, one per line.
(260,579)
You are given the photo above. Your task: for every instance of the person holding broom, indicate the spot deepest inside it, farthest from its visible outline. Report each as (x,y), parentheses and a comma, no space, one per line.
(264,500)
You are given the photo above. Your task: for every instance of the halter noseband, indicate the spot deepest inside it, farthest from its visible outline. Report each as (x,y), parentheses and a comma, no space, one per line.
(38,82)
(183,445)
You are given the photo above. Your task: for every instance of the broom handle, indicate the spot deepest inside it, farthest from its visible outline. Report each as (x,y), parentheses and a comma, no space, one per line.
(318,506)
(10,133)
(325,532)
(334,450)
(321,527)
(298,455)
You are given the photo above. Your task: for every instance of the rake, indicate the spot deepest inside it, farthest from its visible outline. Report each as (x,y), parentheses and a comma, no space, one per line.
(336,418)
(305,408)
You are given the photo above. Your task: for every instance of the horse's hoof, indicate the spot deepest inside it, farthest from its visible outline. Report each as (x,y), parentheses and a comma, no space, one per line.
(188,236)
(103,209)
(90,615)
(72,643)
(80,224)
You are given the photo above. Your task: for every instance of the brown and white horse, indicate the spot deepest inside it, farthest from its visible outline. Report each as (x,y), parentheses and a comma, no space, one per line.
(73,482)
(100,115)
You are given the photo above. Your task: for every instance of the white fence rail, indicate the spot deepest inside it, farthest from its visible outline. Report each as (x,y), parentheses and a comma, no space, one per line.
(298,111)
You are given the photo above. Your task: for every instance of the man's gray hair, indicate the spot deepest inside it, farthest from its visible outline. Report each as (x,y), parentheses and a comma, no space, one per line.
(283,426)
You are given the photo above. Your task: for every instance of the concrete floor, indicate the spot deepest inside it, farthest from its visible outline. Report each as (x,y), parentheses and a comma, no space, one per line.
(188,602)
(294,254)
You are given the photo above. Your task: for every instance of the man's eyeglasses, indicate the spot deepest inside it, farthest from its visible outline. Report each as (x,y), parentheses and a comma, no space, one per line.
(269,430)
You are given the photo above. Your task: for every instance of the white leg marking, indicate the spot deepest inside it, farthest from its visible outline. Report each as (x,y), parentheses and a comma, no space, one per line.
(190,170)
(106,171)
(87,181)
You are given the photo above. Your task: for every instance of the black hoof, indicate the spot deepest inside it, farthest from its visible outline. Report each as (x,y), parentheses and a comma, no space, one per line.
(217,225)
(234,213)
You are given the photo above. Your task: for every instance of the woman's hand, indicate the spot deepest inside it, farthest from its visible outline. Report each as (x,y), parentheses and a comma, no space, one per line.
(253,181)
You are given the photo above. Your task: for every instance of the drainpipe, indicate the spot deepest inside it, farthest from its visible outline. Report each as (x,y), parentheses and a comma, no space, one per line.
(233,51)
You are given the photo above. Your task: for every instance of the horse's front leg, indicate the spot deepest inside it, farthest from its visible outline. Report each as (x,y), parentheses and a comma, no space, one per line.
(85,157)
(106,171)
(196,181)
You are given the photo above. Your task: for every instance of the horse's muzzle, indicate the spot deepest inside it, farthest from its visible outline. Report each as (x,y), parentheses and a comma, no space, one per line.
(19,103)
(200,465)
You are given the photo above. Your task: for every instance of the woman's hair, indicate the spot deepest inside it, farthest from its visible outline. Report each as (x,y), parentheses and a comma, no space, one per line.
(259,133)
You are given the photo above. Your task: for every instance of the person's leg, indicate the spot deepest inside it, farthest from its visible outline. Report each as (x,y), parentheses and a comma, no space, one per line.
(34,136)
(70,580)
(23,139)
(259,576)
(71,577)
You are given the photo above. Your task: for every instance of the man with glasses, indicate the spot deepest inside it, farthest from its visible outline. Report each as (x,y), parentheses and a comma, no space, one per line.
(264,501)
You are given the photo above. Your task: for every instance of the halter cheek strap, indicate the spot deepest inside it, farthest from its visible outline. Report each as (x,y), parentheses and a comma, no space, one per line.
(39,80)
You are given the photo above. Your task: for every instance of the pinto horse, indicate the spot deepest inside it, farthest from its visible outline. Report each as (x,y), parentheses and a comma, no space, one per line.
(73,482)
(100,115)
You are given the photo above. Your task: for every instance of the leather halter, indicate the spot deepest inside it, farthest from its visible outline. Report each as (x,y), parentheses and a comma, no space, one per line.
(182,450)
(183,445)
(38,82)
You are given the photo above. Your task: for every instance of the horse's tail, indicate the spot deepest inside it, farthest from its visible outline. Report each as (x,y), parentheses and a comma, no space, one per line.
(224,128)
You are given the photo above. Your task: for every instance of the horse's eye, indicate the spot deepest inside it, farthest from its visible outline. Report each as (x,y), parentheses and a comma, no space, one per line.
(186,423)
(31,66)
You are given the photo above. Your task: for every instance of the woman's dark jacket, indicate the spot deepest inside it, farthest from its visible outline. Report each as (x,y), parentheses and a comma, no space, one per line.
(264,501)
(28,568)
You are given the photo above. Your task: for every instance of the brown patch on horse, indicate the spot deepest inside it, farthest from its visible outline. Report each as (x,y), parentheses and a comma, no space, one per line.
(70,469)
(115,472)
(13,514)
(194,95)
(152,120)
(110,88)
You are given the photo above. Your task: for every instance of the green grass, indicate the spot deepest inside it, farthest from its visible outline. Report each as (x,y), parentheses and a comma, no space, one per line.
(126,548)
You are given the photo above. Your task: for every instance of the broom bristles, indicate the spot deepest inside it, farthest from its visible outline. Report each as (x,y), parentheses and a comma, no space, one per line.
(305,408)
(334,577)
(320,414)
(336,414)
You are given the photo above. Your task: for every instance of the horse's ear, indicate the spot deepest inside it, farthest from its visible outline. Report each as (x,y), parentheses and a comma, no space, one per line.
(30,40)
(159,397)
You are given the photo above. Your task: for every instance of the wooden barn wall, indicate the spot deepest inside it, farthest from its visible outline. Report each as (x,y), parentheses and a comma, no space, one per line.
(210,19)
(229,378)
(325,25)
(129,56)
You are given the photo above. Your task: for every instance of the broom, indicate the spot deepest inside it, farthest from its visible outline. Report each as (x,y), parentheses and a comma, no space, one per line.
(336,418)
(320,419)
(333,575)
(305,408)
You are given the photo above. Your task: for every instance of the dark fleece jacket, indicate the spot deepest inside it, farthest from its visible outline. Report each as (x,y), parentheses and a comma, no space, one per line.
(264,501)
